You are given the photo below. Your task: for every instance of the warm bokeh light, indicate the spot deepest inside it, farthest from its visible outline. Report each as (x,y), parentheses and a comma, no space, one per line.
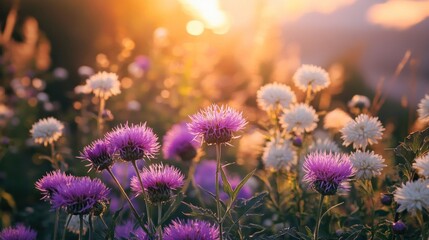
(399,14)
(195,28)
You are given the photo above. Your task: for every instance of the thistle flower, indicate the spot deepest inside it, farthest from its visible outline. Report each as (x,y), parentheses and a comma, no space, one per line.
(311,76)
(367,164)
(362,131)
(19,232)
(128,231)
(275,95)
(413,196)
(422,165)
(399,227)
(104,85)
(178,143)
(278,156)
(47,131)
(191,230)
(159,182)
(81,196)
(133,142)
(423,110)
(48,185)
(299,118)
(99,154)
(216,124)
(326,145)
(327,172)
(336,119)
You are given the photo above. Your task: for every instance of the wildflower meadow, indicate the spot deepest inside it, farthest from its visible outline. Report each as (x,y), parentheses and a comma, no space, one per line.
(199,128)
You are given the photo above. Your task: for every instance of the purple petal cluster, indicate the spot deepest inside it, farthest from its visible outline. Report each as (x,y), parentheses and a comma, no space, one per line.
(326,172)
(48,185)
(216,124)
(191,230)
(159,181)
(19,232)
(179,143)
(133,142)
(99,154)
(82,195)
(128,231)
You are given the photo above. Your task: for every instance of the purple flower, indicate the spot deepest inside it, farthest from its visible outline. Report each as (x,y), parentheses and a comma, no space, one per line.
(129,231)
(326,172)
(142,62)
(204,177)
(216,124)
(133,142)
(99,154)
(159,181)
(82,195)
(49,184)
(191,230)
(19,232)
(178,143)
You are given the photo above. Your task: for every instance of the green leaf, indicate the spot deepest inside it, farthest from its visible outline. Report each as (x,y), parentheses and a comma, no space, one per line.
(200,212)
(173,207)
(241,185)
(381,213)
(225,183)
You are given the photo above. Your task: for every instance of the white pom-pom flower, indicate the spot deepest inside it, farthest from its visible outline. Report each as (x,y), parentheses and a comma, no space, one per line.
(413,196)
(278,156)
(274,95)
(362,131)
(367,164)
(104,84)
(47,131)
(299,118)
(423,110)
(311,76)
(422,165)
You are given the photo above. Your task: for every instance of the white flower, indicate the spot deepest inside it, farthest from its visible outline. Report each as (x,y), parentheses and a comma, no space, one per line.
(325,145)
(359,101)
(423,110)
(278,155)
(336,119)
(367,164)
(104,84)
(422,165)
(299,118)
(74,224)
(413,196)
(47,130)
(313,76)
(272,95)
(362,131)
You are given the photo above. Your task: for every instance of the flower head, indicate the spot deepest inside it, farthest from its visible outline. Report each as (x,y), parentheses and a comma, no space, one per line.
(422,165)
(359,103)
(311,76)
(279,155)
(191,230)
(399,227)
(128,231)
(423,110)
(367,164)
(159,182)
(104,84)
(99,154)
(19,232)
(336,119)
(216,124)
(178,143)
(81,196)
(274,95)
(413,196)
(362,131)
(326,172)
(133,142)
(325,145)
(47,131)
(48,185)
(299,118)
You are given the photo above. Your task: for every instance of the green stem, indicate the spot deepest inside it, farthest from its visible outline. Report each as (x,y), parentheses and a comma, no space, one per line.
(104,222)
(319,219)
(190,176)
(121,189)
(80,227)
(100,121)
(149,219)
(53,159)
(91,227)
(218,204)
(65,226)
(159,221)
(57,219)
